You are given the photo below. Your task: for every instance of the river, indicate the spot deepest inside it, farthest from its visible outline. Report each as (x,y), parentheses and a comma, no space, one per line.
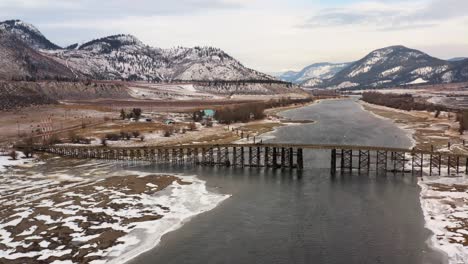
(308,217)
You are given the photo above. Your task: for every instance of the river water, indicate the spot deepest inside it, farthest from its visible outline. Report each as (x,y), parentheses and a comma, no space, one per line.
(308,217)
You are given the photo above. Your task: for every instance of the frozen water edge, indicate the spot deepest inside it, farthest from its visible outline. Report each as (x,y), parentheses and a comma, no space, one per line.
(184,201)
(438,215)
(6,162)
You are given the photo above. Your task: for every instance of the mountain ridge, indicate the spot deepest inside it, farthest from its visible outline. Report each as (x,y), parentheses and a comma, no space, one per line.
(317,71)
(393,66)
(28,33)
(125,57)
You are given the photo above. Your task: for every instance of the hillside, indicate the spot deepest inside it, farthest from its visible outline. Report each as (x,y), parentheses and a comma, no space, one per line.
(28,34)
(22,94)
(394,66)
(313,74)
(123,57)
(18,61)
(386,67)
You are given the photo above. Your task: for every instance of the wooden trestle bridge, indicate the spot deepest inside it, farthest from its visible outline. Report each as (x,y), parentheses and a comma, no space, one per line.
(343,158)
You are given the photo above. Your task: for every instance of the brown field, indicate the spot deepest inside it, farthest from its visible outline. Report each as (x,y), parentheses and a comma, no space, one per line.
(154,105)
(428,130)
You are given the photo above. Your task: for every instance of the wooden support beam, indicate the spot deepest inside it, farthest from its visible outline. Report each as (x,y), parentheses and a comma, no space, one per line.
(333,162)
(291,158)
(300,159)
(266,160)
(259,157)
(283,158)
(274,157)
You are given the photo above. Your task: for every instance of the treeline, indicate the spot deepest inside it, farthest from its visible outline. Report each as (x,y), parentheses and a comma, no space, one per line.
(45,78)
(407,102)
(400,101)
(226,82)
(286,102)
(240,113)
(252,111)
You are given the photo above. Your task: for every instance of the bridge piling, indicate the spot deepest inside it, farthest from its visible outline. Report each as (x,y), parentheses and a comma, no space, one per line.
(283,157)
(291,158)
(274,161)
(300,159)
(333,162)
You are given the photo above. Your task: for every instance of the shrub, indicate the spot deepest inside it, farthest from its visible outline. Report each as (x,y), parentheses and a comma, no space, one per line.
(136,134)
(13,155)
(240,113)
(53,139)
(113,136)
(168,131)
(28,147)
(192,126)
(76,139)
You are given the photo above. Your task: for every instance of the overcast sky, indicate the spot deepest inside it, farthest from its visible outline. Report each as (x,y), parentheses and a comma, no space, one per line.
(267,35)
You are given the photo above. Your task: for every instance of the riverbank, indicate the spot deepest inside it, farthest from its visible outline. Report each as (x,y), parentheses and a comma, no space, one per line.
(443,199)
(426,129)
(74,211)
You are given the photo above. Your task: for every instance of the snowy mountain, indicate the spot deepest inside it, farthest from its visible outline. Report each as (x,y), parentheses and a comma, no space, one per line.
(458,73)
(124,57)
(18,61)
(28,34)
(395,66)
(313,74)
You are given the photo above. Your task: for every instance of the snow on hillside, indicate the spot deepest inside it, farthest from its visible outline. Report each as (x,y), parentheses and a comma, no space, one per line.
(378,56)
(418,81)
(393,66)
(312,82)
(126,57)
(324,71)
(27,33)
(391,71)
(313,74)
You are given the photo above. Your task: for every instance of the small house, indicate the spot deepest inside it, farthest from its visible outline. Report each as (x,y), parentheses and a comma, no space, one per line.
(208,113)
(169,121)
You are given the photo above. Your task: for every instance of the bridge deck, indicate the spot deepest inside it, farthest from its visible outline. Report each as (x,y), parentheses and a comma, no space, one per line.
(277,155)
(270,145)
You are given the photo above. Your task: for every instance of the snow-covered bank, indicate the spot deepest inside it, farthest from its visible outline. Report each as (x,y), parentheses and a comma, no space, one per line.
(444,202)
(91,212)
(184,201)
(7,162)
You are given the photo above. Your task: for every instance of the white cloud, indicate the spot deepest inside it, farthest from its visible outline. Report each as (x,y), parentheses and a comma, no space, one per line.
(390,15)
